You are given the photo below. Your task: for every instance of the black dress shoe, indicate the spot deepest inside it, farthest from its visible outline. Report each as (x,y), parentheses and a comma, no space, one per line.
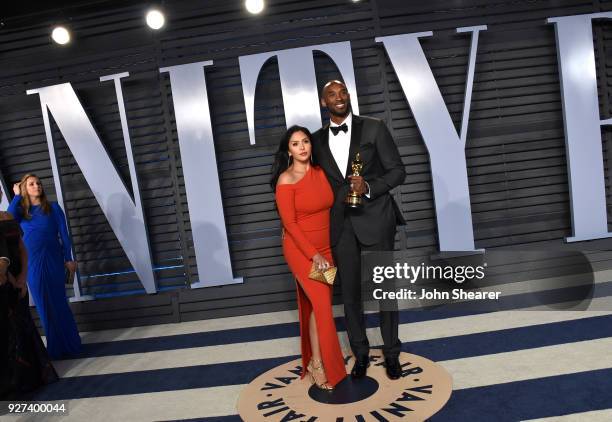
(394,370)
(361,366)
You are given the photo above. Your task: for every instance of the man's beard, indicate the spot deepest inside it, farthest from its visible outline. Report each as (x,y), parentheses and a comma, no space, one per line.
(346,112)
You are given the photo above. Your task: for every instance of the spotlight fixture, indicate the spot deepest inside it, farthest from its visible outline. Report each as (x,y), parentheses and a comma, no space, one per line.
(254,6)
(155,19)
(60,35)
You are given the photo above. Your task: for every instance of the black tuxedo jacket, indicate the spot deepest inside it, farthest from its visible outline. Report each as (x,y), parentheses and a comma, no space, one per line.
(382,169)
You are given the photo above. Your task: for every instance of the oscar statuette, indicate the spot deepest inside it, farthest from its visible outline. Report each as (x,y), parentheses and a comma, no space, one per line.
(353,199)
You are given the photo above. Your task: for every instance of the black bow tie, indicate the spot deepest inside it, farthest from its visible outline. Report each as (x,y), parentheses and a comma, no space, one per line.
(335,129)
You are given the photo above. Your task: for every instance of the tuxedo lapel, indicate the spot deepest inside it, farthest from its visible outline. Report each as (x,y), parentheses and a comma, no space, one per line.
(327,159)
(355,141)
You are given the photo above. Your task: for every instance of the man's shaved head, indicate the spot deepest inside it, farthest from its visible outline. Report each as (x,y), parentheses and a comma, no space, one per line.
(330,83)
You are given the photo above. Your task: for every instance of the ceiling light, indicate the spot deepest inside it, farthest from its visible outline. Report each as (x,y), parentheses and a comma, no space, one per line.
(254,6)
(155,19)
(60,35)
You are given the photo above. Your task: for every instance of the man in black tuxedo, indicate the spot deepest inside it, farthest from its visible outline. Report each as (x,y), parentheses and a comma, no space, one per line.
(369,228)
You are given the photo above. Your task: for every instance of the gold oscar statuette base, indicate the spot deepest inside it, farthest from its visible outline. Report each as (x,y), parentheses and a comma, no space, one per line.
(353,200)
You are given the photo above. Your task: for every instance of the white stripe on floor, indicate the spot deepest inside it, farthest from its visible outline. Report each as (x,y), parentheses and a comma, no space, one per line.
(521,365)
(191,327)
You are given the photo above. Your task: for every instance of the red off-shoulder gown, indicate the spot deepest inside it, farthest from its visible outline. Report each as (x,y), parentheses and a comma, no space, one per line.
(304,210)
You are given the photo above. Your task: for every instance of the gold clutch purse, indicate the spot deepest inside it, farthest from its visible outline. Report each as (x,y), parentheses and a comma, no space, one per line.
(325,276)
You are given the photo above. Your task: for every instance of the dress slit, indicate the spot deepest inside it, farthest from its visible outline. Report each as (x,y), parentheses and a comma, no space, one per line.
(329,346)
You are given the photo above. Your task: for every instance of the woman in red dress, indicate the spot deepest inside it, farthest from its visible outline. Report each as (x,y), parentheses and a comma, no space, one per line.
(304,199)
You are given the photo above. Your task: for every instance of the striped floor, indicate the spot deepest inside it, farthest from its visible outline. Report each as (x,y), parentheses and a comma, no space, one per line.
(522,362)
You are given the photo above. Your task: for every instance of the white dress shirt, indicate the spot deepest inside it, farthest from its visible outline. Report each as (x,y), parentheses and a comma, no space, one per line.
(340,144)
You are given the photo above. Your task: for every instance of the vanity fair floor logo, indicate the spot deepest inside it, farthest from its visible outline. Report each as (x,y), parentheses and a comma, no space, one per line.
(280,395)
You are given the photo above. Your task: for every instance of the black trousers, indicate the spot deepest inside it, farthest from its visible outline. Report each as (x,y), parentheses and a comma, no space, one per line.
(347,256)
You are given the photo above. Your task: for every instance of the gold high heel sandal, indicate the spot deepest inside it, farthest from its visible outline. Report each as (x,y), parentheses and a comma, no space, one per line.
(315,366)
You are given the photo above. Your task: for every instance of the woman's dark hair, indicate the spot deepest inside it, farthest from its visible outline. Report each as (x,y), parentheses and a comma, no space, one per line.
(281,158)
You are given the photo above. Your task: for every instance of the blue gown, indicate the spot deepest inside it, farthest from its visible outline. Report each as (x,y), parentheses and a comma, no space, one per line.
(46,275)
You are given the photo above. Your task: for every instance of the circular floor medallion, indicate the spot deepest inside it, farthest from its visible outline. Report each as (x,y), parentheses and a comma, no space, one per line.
(280,394)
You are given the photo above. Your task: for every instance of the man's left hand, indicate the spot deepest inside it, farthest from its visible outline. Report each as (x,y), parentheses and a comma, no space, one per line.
(358,185)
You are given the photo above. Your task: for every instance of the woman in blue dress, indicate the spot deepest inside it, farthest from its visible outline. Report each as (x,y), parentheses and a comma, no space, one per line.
(49,254)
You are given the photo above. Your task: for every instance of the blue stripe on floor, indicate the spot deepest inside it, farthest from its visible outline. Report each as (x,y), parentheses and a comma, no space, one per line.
(268,332)
(509,340)
(537,398)
(243,372)
(170,379)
